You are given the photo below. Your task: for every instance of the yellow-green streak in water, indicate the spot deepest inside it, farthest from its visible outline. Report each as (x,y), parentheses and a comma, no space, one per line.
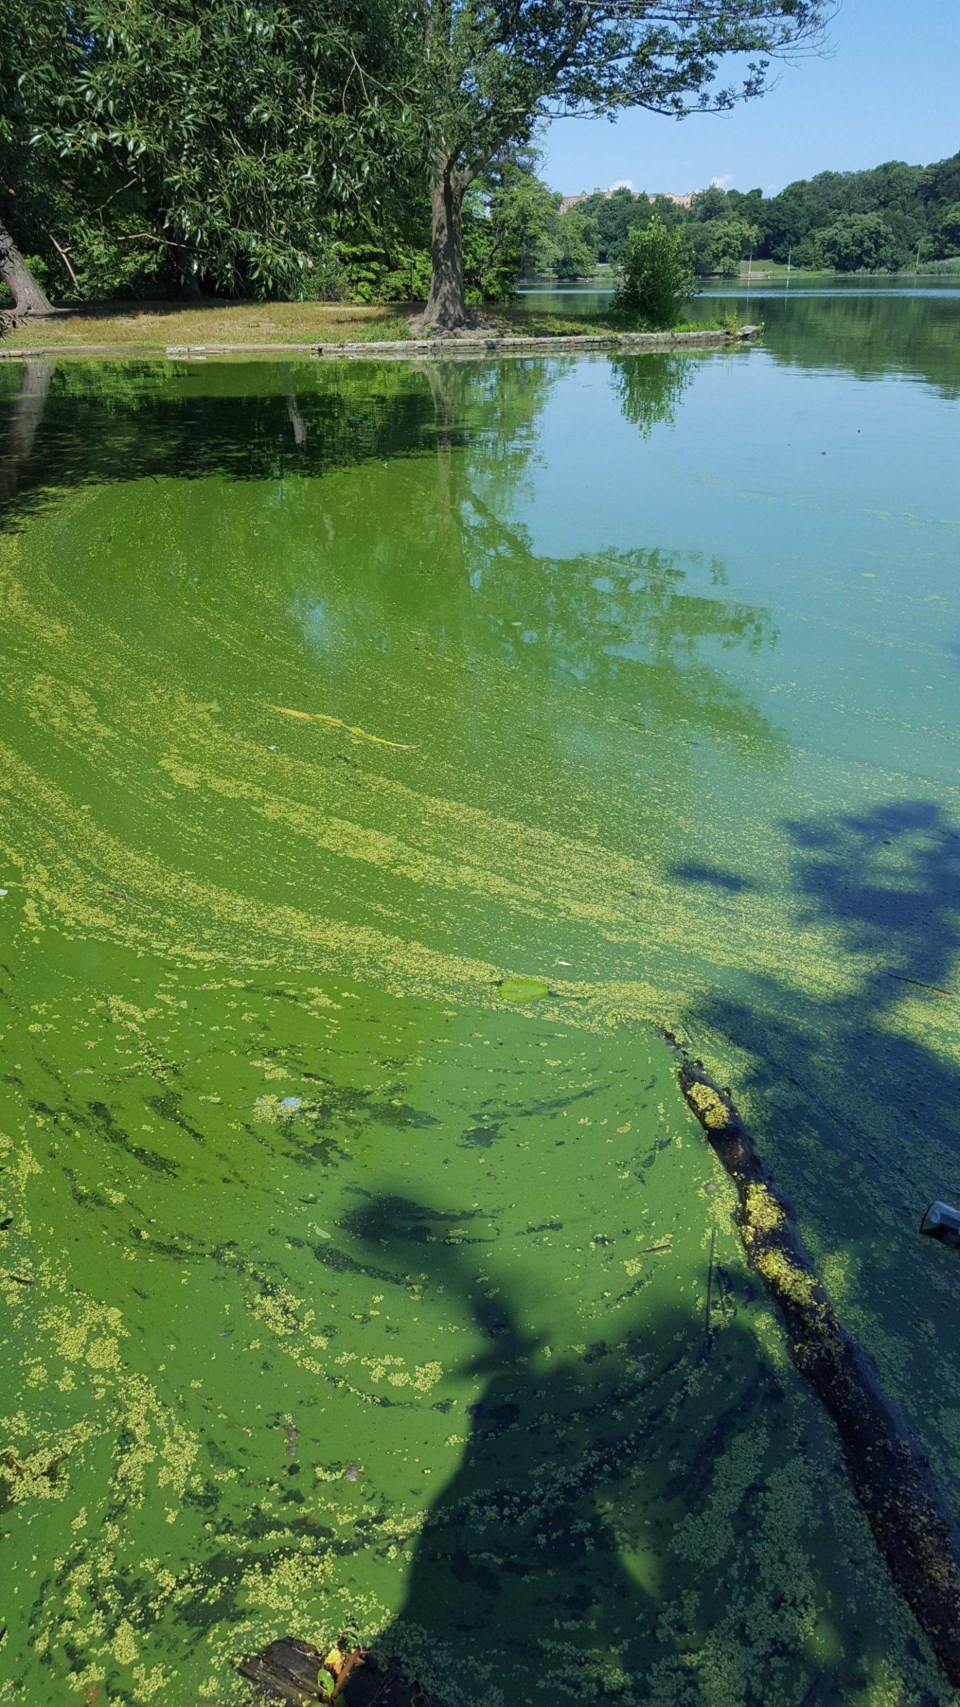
(385,753)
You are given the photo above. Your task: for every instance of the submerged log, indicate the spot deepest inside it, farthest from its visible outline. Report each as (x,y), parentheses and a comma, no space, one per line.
(912,1526)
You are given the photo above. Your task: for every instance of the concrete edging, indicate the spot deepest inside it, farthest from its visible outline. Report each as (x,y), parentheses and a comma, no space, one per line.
(407,348)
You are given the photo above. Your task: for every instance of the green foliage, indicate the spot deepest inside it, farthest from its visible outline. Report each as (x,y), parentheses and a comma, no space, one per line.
(281,147)
(577,246)
(850,221)
(799,219)
(948,268)
(858,241)
(523,227)
(614,215)
(657,280)
(948,230)
(483,74)
(373,274)
(218,143)
(718,245)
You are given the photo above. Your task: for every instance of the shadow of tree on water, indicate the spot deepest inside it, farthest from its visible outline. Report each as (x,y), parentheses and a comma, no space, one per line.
(855,1097)
(657,1520)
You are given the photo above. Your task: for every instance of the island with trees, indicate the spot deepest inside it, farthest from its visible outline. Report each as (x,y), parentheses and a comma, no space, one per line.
(363,149)
(385,153)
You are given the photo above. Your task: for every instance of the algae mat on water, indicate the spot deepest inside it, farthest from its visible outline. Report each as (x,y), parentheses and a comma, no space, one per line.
(356,1240)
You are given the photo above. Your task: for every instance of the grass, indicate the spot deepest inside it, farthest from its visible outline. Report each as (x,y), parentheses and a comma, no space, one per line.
(157,325)
(775,270)
(547,323)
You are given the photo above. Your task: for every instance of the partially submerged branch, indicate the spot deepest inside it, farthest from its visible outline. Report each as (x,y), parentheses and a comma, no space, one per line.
(912,1526)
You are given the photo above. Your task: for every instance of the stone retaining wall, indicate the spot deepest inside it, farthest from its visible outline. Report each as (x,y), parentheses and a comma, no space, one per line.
(409,348)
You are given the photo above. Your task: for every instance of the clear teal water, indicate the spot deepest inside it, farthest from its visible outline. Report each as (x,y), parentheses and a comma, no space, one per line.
(386,752)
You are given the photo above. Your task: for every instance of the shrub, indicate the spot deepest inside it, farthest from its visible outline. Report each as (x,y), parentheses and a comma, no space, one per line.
(657,280)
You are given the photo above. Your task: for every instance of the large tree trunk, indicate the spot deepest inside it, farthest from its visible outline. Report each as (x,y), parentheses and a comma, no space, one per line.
(28,298)
(446,310)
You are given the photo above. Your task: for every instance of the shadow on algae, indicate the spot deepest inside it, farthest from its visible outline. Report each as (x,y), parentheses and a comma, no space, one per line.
(858,1096)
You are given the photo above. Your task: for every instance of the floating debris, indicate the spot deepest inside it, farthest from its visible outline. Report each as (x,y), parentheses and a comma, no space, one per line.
(338,723)
(523,989)
(288,1669)
(352,1473)
(941,1221)
(118,895)
(297,1672)
(289,1105)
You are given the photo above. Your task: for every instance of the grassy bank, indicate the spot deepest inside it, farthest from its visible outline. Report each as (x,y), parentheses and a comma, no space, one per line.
(153,326)
(159,324)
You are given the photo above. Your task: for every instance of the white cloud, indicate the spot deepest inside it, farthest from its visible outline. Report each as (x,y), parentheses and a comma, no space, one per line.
(723,183)
(622,184)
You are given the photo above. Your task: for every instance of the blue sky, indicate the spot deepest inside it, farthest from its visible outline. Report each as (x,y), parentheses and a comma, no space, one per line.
(889,90)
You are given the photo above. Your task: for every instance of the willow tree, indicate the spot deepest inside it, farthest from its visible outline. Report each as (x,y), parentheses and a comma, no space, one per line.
(487,72)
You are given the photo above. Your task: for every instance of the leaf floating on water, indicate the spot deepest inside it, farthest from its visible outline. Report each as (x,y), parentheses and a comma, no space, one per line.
(338,723)
(523,989)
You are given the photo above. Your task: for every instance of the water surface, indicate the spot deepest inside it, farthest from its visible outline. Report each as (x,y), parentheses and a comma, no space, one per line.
(387,752)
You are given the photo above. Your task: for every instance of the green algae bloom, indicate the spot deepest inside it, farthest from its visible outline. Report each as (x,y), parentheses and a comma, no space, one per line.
(519,989)
(763,1213)
(346,1282)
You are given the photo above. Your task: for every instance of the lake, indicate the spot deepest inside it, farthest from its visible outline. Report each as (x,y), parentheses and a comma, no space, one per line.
(390,753)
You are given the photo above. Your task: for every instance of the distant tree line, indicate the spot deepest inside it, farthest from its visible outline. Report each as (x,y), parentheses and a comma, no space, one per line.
(875,221)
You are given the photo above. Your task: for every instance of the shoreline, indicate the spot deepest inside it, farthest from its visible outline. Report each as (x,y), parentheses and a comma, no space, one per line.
(497,344)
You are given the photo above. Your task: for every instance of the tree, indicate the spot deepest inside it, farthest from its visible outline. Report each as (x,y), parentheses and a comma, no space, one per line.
(578,243)
(657,280)
(948,230)
(222,138)
(719,245)
(481,74)
(613,216)
(29,297)
(519,228)
(940,183)
(858,241)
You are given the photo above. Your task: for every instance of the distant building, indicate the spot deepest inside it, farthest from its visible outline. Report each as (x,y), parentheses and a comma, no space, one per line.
(567,202)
